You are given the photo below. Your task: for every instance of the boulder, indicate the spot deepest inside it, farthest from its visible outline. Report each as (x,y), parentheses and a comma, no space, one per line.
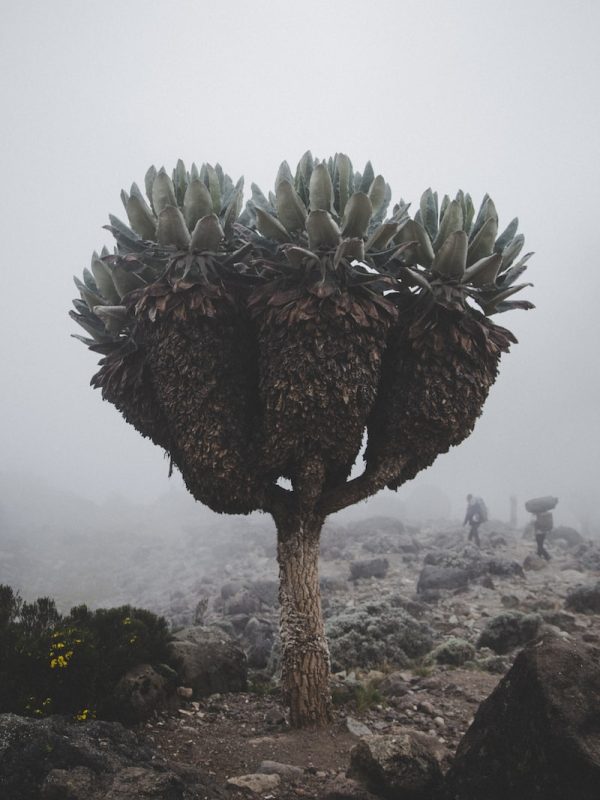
(536,737)
(374,633)
(509,630)
(433,578)
(371,568)
(584,599)
(55,759)
(399,767)
(569,535)
(211,662)
(258,637)
(140,693)
(257,782)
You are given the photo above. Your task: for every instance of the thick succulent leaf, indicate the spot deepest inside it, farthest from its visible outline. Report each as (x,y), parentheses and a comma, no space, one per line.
(367,178)
(291,211)
(163,192)
(508,277)
(486,211)
(377,194)
(357,215)
(511,305)
(321,189)
(214,186)
(89,281)
(491,300)
(444,206)
(512,250)
(423,253)
(171,228)
(322,230)
(303,175)
(149,179)
(483,243)
(507,235)
(180,181)
(429,212)
(351,249)
(414,278)
(90,298)
(451,221)
(381,236)
(451,258)
(115,318)
(197,203)
(484,271)
(259,200)
(298,256)
(232,212)
(91,325)
(343,181)
(83,339)
(102,276)
(207,234)
(125,281)
(123,230)
(270,227)
(140,218)
(469,213)
(284,173)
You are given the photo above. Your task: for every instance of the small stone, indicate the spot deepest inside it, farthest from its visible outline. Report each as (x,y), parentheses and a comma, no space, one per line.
(185,692)
(284,770)
(439,721)
(356,727)
(426,708)
(256,782)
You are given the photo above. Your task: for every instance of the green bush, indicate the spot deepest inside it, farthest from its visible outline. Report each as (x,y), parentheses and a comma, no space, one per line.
(71,664)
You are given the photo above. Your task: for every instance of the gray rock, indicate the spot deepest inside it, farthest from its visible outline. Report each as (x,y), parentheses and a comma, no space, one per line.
(284,770)
(509,630)
(584,599)
(343,788)
(569,535)
(394,685)
(399,767)
(536,736)
(211,662)
(533,563)
(256,782)
(140,693)
(433,578)
(372,568)
(356,727)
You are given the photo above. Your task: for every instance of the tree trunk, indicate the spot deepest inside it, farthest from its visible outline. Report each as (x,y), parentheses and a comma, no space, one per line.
(304,651)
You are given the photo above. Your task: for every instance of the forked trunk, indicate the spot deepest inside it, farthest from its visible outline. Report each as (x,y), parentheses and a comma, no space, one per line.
(304,651)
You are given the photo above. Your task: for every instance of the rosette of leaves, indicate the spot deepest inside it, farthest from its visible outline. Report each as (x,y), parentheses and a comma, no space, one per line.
(166,311)
(443,354)
(321,316)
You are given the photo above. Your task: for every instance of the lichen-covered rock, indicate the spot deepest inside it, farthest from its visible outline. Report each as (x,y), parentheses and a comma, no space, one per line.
(399,767)
(509,630)
(375,633)
(140,693)
(536,736)
(433,578)
(371,568)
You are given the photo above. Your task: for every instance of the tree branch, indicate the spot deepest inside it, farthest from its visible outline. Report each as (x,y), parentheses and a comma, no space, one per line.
(371,481)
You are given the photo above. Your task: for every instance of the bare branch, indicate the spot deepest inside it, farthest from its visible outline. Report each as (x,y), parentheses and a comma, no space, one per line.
(371,481)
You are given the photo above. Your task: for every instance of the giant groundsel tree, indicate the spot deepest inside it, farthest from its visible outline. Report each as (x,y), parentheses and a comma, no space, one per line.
(263,344)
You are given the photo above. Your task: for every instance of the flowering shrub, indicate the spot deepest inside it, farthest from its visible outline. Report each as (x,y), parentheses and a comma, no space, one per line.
(70,665)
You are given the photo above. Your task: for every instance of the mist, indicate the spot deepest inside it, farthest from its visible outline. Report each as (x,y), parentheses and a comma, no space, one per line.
(448,95)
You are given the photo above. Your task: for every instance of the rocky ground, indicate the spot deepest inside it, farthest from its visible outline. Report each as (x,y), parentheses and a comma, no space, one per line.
(422,627)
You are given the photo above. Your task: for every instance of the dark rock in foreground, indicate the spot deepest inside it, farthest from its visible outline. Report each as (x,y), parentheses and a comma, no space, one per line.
(400,767)
(537,736)
(585,599)
(53,759)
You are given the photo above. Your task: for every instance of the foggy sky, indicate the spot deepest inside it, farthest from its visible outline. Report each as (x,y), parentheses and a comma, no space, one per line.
(499,98)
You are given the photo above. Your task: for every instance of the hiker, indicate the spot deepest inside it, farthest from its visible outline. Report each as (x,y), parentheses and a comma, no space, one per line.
(541,508)
(476,514)
(542,526)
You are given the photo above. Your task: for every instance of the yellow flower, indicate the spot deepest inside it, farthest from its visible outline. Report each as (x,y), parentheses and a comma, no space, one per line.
(127,621)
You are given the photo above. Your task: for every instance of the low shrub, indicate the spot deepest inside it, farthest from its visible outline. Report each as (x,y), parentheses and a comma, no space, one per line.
(51,663)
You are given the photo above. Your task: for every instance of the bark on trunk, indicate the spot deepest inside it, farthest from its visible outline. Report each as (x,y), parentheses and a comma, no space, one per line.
(304,651)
